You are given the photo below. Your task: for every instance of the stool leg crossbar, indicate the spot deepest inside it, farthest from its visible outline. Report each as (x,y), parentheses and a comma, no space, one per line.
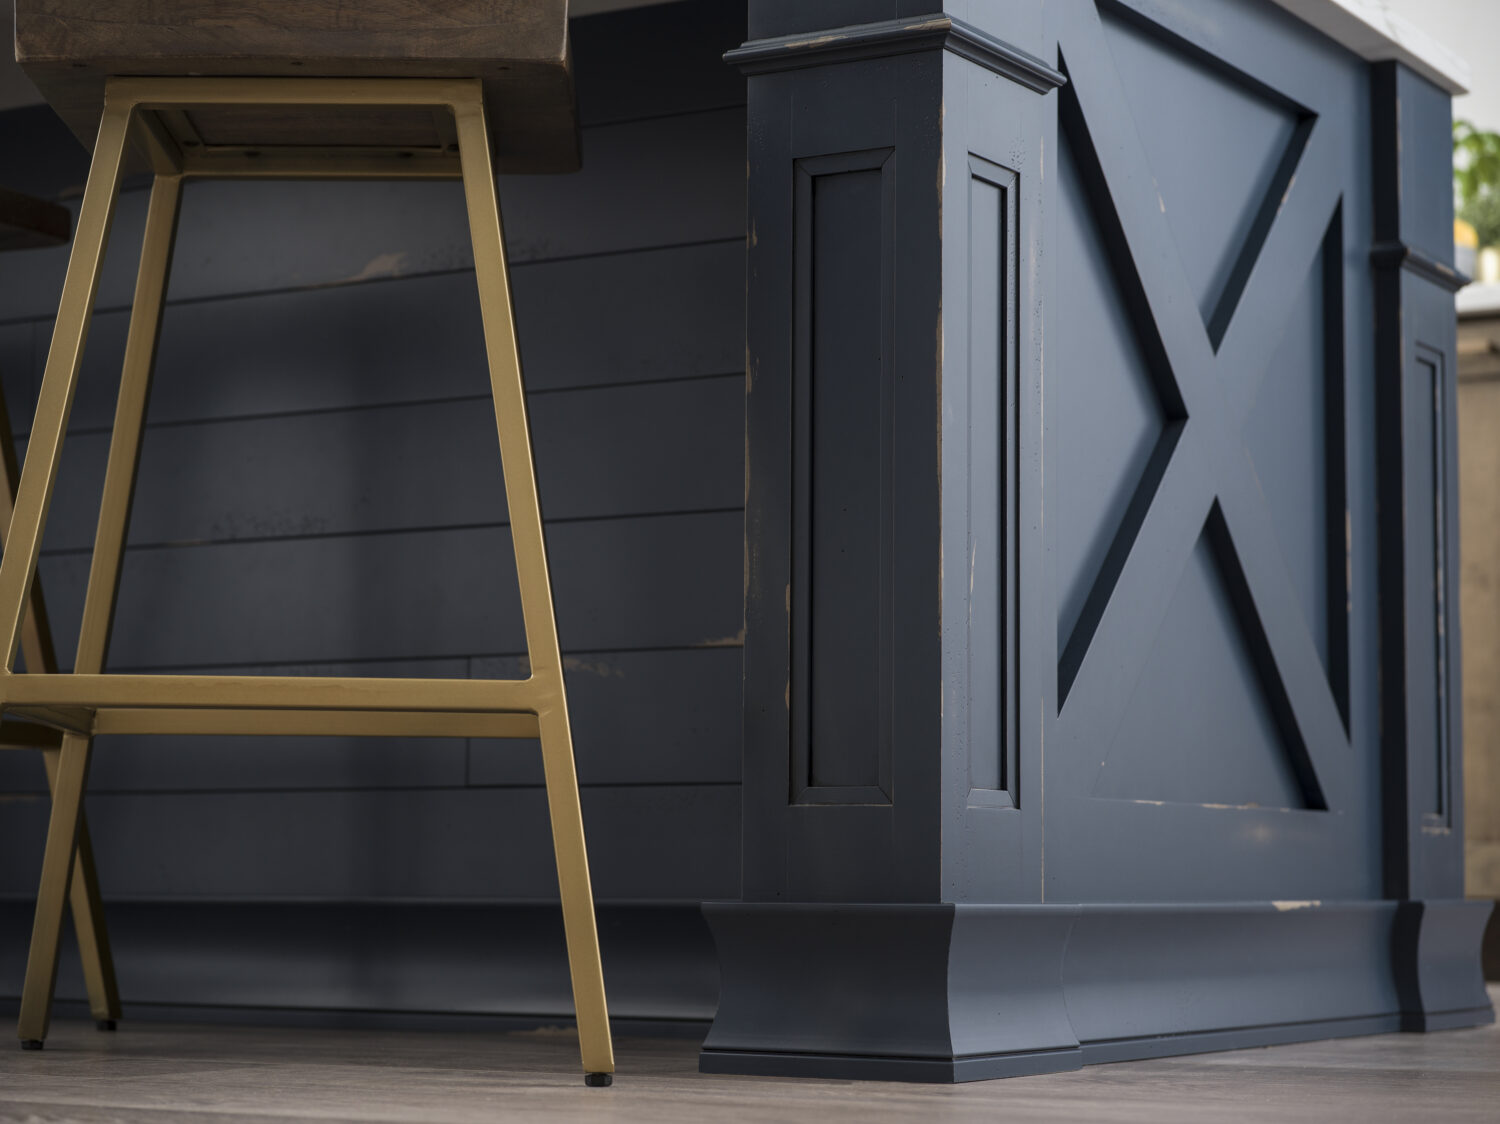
(88,702)
(83,886)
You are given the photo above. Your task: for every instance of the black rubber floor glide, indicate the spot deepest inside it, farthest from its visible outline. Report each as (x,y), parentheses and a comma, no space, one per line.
(598,1080)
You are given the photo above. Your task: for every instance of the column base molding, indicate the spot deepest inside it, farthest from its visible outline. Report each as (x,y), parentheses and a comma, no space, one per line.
(944,993)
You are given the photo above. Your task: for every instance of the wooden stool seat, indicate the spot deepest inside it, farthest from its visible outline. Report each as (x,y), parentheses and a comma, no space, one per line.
(517,48)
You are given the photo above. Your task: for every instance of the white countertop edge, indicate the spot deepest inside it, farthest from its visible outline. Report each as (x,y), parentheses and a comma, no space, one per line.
(1375,33)
(1478,298)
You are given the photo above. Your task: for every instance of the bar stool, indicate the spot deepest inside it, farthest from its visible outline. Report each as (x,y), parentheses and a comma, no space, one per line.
(28,223)
(275,89)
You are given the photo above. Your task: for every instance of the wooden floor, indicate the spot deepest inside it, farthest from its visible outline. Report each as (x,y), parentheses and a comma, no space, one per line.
(175,1073)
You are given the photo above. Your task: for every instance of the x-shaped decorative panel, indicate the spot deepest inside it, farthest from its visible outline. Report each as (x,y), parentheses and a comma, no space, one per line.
(1200,481)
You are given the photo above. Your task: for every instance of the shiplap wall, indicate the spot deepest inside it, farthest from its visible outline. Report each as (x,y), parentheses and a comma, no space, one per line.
(320,492)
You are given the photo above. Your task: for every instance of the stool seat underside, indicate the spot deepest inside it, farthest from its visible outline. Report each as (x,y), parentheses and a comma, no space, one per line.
(518,49)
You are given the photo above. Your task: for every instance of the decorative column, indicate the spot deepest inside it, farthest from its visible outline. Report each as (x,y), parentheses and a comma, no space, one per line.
(1416,373)
(894,319)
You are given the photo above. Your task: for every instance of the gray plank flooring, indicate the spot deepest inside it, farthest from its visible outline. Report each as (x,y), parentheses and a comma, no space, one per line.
(164,1072)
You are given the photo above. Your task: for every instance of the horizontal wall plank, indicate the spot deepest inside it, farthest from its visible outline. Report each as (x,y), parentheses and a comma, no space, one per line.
(650,314)
(485,844)
(651,582)
(644,184)
(656,314)
(663,717)
(654,448)
(43,157)
(637,717)
(664,59)
(16,377)
(377,963)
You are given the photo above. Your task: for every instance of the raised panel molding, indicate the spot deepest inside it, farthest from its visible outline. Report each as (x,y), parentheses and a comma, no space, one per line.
(993,681)
(1221,209)
(1433,767)
(1233,743)
(841,593)
(1339,548)
(1129,413)
(995,628)
(1296,436)
(1209,298)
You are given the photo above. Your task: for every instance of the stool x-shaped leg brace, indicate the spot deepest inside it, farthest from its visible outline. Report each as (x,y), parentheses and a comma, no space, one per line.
(83,892)
(88,702)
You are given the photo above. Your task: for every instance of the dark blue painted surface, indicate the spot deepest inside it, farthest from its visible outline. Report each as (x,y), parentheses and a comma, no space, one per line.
(1088,552)
(1202,689)
(1212,481)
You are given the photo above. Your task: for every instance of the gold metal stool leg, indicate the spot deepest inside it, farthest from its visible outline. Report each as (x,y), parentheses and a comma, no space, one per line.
(84,897)
(109,539)
(536,592)
(17,569)
(88,920)
(87,700)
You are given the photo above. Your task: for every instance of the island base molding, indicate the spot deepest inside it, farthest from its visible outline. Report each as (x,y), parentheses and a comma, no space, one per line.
(945,992)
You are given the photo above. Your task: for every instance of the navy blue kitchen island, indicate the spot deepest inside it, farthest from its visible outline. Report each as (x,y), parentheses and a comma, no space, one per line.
(999,476)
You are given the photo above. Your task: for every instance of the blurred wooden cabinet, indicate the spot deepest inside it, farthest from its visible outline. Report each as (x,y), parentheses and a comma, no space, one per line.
(1479,523)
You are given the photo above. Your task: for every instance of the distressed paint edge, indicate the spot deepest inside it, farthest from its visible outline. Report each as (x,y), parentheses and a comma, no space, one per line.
(1399,255)
(895,37)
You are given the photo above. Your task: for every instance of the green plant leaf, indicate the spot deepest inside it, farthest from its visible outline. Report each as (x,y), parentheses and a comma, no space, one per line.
(1476,167)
